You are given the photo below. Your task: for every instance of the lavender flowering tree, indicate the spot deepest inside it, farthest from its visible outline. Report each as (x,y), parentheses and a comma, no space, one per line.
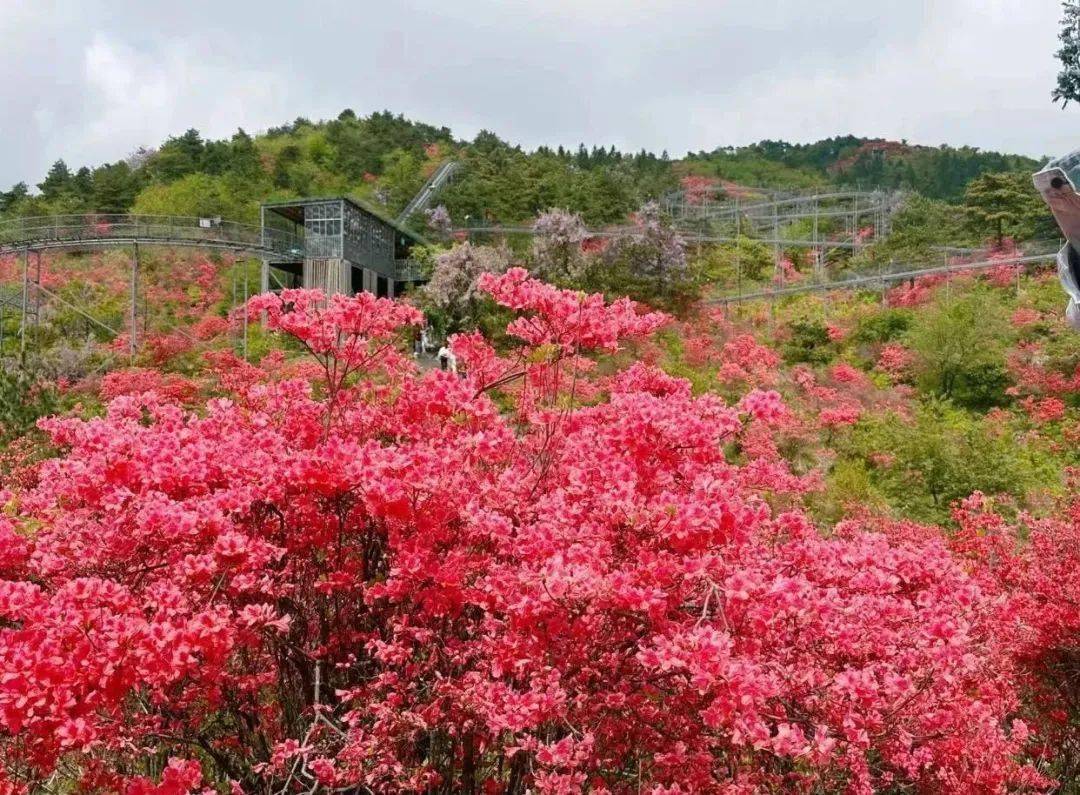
(654,252)
(438,221)
(557,245)
(453,287)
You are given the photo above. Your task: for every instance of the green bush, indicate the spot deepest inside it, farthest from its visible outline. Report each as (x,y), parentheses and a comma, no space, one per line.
(942,455)
(809,342)
(960,345)
(24,399)
(884,326)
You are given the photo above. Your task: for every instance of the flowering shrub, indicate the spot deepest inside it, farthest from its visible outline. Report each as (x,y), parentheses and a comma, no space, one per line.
(557,245)
(786,273)
(1025,316)
(895,359)
(744,359)
(836,333)
(1048,409)
(453,286)
(439,221)
(367,577)
(699,189)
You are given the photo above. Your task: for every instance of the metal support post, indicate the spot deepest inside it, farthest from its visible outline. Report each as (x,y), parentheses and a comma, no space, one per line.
(133,340)
(855,222)
(776,245)
(246,269)
(25,300)
(738,248)
(37,291)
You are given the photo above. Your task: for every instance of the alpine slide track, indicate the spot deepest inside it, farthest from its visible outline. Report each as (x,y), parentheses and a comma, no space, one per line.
(26,239)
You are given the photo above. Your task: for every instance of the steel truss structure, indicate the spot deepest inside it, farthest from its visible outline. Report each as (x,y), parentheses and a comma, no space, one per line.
(895,273)
(27,239)
(436,182)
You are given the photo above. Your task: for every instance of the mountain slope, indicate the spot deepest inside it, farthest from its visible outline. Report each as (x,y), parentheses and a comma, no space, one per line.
(385,158)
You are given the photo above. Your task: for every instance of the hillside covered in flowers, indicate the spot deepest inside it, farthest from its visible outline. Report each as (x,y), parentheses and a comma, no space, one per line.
(821,544)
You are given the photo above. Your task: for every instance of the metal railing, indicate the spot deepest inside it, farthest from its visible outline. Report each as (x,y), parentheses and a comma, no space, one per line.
(426,193)
(885,276)
(408,270)
(687,237)
(73,231)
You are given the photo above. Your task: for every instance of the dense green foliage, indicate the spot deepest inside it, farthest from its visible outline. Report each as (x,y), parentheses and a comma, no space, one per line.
(23,400)
(1068,80)
(936,172)
(940,456)
(384,159)
(960,348)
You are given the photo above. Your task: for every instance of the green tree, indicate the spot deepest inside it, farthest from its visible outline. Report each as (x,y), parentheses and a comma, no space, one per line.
(401,177)
(179,157)
(1005,204)
(1068,79)
(884,326)
(57,182)
(23,400)
(960,348)
(200,195)
(808,342)
(920,225)
(244,157)
(8,199)
(82,184)
(114,187)
(941,455)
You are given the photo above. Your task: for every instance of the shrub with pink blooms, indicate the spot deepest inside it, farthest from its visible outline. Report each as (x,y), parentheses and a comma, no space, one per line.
(363,577)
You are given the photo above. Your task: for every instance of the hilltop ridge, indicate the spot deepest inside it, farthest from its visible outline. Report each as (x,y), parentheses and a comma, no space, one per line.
(385,158)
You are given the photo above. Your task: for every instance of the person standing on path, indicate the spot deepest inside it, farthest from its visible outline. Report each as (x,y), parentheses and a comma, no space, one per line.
(447,360)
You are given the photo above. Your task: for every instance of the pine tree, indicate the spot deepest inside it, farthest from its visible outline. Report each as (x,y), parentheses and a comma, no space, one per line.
(8,199)
(1003,204)
(1068,81)
(82,184)
(57,181)
(114,188)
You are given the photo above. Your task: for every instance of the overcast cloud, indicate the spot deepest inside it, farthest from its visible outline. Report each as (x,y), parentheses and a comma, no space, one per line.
(91,81)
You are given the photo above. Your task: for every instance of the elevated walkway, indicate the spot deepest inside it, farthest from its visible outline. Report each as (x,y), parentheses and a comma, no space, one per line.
(88,231)
(422,200)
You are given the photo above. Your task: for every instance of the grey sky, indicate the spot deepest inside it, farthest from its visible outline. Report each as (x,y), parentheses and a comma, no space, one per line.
(91,81)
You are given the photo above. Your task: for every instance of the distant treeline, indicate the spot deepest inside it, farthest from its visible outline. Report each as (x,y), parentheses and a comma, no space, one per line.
(385,158)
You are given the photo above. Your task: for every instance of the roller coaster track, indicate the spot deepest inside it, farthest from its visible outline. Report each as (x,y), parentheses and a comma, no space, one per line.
(26,236)
(869,201)
(880,280)
(788,215)
(431,188)
(688,237)
(896,272)
(81,232)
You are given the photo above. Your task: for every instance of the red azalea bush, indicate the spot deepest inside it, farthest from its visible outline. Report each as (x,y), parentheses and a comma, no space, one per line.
(380,581)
